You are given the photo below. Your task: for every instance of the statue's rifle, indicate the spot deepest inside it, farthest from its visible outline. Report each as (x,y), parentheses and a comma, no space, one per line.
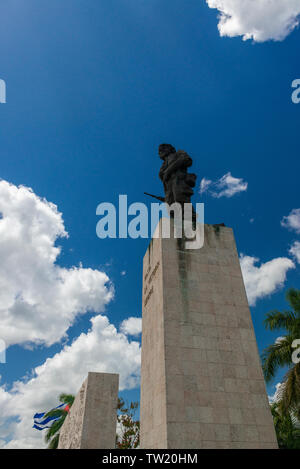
(162,199)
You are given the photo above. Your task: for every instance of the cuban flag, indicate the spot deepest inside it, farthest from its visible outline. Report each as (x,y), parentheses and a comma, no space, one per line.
(41,422)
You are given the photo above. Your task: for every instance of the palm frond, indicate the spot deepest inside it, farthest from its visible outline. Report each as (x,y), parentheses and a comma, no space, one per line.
(288,433)
(56,413)
(54,442)
(52,434)
(289,393)
(293,298)
(280,320)
(67,399)
(276,356)
(54,428)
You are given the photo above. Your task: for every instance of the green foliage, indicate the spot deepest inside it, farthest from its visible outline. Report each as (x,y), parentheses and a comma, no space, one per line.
(130,427)
(286,409)
(54,442)
(280,353)
(287,427)
(52,435)
(289,392)
(277,355)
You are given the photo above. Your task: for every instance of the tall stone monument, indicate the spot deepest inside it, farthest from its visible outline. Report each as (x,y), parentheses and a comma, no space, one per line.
(91,422)
(202,384)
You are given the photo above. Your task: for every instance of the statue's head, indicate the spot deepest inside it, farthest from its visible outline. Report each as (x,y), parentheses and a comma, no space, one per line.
(165,149)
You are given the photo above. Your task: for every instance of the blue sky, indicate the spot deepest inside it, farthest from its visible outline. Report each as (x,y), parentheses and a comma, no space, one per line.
(93,87)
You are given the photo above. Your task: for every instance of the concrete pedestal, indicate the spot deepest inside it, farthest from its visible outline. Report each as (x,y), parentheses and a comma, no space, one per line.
(202,384)
(91,423)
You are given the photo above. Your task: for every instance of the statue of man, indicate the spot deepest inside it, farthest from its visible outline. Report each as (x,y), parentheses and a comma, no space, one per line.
(178,183)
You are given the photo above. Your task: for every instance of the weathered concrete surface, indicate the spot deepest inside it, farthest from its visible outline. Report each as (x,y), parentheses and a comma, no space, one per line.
(91,422)
(201,380)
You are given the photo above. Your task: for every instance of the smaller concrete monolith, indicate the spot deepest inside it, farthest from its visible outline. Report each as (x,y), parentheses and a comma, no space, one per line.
(91,422)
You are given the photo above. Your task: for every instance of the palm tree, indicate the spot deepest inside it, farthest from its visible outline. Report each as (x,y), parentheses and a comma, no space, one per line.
(280,353)
(287,428)
(52,435)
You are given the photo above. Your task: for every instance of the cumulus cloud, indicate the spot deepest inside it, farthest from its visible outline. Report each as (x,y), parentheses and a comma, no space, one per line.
(295,251)
(101,349)
(204,185)
(276,396)
(266,279)
(132,326)
(226,186)
(292,221)
(260,20)
(39,300)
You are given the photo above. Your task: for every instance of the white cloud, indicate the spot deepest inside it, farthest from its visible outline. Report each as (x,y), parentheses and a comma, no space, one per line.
(226,186)
(204,185)
(39,300)
(260,20)
(101,349)
(266,279)
(276,396)
(292,221)
(295,251)
(131,326)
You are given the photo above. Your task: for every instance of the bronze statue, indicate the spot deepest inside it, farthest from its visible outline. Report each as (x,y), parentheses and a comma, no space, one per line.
(178,183)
